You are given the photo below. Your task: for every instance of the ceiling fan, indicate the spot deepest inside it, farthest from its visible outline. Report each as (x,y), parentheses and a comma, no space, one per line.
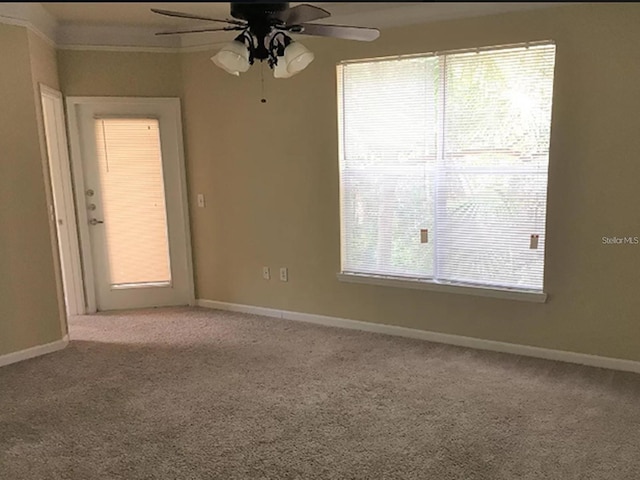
(264,28)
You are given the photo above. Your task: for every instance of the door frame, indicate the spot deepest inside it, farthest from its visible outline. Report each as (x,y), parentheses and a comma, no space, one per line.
(64,205)
(78,177)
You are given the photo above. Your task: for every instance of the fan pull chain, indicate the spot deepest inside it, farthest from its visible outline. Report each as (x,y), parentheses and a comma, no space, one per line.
(263,99)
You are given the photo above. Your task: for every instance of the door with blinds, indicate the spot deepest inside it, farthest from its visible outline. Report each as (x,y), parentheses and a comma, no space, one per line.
(130,191)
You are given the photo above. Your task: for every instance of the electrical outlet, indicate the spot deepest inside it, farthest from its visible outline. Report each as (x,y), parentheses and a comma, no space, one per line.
(284,274)
(266,273)
(533,243)
(201,203)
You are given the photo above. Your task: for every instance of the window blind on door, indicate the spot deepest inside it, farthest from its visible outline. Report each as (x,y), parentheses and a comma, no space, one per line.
(133,200)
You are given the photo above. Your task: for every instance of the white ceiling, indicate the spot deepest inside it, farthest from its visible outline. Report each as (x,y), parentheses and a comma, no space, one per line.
(133,24)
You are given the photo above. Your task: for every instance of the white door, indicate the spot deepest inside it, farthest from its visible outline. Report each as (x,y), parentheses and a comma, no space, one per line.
(130,185)
(64,212)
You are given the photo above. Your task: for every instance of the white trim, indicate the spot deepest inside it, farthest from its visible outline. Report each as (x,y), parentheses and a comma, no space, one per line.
(29,26)
(235,307)
(73,129)
(16,22)
(142,49)
(32,352)
(203,48)
(116,48)
(455,51)
(123,100)
(458,340)
(184,193)
(420,284)
(33,17)
(74,36)
(115,35)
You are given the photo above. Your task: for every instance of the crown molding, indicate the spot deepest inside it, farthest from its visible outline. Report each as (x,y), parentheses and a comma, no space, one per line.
(116,36)
(142,39)
(31,16)
(389,15)
(118,48)
(35,18)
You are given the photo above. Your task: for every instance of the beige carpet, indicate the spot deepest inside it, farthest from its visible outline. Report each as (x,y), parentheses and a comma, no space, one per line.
(197,394)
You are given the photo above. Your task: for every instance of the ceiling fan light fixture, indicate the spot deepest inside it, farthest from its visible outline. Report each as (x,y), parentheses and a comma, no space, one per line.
(263,37)
(233,58)
(280,69)
(297,57)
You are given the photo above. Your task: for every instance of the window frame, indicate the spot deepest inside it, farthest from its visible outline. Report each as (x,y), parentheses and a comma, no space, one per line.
(430,283)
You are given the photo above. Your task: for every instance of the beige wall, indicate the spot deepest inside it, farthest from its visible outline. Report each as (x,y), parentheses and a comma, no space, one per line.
(44,71)
(44,62)
(30,313)
(102,73)
(270,174)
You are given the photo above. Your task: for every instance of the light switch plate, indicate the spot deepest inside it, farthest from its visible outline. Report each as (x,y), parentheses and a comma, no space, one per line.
(201,203)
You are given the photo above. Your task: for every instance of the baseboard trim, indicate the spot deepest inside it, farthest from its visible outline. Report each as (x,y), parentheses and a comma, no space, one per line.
(32,352)
(457,340)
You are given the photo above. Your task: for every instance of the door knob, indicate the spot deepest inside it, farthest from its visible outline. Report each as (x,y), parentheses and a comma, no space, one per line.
(94,221)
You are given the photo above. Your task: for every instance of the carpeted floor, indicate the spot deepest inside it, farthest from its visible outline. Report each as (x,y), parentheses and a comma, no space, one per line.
(187,393)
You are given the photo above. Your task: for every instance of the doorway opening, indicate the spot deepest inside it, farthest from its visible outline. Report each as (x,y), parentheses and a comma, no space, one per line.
(120,202)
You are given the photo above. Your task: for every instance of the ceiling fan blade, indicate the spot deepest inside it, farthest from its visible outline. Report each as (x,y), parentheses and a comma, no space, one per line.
(170,13)
(302,13)
(200,30)
(363,34)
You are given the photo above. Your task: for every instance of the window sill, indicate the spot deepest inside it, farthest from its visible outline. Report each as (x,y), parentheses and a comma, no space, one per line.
(419,284)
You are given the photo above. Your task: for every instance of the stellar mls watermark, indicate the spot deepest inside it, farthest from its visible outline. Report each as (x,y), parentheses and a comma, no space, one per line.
(620,240)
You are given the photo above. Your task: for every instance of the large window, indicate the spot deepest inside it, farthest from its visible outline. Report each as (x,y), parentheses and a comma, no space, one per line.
(443,166)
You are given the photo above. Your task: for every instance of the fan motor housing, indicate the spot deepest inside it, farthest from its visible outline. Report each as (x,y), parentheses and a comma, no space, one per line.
(249,11)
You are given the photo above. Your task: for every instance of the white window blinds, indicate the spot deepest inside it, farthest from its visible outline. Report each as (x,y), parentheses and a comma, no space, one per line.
(132,186)
(443,165)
